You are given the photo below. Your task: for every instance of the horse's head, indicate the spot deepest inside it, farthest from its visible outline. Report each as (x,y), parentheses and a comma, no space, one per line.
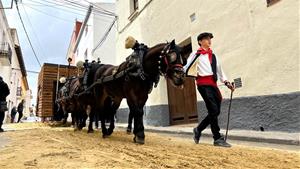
(171,63)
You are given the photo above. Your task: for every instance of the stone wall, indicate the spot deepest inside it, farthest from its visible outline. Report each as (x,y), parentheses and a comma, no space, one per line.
(280,112)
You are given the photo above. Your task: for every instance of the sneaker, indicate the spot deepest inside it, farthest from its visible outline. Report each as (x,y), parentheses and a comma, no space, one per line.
(1,130)
(197,135)
(221,142)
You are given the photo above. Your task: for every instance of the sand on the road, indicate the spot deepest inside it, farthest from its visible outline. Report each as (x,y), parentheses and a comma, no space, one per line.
(46,147)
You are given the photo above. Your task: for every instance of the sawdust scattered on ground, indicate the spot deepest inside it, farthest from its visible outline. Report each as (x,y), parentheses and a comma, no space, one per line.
(46,147)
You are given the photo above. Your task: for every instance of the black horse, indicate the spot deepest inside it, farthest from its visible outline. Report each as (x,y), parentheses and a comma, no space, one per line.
(162,59)
(68,102)
(86,98)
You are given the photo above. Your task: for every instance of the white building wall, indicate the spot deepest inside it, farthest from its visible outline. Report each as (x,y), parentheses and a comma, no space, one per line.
(28,105)
(96,27)
(86,43)
(10,72)
(260,44)
(5,69)
(107,51)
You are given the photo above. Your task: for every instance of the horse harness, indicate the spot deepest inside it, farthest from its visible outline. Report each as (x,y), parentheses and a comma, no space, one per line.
(163,59)
(134,69)
(135,61)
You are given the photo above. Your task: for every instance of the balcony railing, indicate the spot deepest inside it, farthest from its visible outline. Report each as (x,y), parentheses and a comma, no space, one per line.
(5,51)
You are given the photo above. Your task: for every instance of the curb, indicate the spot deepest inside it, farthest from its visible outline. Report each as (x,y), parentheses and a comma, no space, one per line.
(232,137)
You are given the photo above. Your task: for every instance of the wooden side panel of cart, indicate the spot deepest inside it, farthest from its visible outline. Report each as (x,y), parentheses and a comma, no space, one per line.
(47,79)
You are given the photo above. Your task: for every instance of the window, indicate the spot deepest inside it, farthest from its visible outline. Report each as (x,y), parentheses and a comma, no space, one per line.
(86,30)
(193,17)
(2,37)
(135,5)
(186,48)
(85,54)
(19,91)
(271,2)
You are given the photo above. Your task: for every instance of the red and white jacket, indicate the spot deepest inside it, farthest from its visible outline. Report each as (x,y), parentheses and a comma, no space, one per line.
(200,67)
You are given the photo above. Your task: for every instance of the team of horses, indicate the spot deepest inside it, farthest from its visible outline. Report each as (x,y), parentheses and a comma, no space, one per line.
(102,101)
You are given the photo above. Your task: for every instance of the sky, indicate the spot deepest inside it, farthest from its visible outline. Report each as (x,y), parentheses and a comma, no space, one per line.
(49,27)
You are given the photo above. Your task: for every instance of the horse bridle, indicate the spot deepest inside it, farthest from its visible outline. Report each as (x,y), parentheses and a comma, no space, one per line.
(163,59)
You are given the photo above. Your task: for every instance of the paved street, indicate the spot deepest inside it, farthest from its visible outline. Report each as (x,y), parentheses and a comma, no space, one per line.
(40,146)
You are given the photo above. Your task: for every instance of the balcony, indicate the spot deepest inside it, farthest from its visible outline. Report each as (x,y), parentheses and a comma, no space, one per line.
(5,54)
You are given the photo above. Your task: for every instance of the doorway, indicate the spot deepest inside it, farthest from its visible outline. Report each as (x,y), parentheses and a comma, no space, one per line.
(183,102)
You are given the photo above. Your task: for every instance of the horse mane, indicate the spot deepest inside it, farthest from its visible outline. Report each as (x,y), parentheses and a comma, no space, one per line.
(156,46)
(159,45)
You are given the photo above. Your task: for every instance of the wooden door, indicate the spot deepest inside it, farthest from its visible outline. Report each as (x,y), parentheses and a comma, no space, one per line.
(183,102)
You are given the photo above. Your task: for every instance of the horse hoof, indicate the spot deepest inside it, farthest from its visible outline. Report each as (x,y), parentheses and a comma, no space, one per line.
(128,131)
(110,131)
(105,136)
(90,131)
(139,140)
(80,127)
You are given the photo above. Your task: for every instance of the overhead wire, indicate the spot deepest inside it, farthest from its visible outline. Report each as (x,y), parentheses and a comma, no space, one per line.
(19,14)
(69,10)
(33,31)
(104,36)
(75,6)
(37,10)
(35,3)
(97,6)
(78,6)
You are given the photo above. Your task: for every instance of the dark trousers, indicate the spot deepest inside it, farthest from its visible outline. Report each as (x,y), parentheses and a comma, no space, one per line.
(1,118)
(20,116)
(212,98)
(13,115)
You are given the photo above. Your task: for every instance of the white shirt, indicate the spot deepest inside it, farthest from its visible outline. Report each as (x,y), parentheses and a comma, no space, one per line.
(204,67)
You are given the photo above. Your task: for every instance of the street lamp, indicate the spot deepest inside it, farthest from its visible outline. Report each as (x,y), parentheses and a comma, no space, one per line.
(69,61)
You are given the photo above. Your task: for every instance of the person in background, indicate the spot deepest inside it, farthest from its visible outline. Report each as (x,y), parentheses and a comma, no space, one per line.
(4,92)
(13,113)
(20,110)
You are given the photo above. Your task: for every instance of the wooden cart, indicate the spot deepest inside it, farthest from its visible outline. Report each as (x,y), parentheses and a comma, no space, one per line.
(47,86)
